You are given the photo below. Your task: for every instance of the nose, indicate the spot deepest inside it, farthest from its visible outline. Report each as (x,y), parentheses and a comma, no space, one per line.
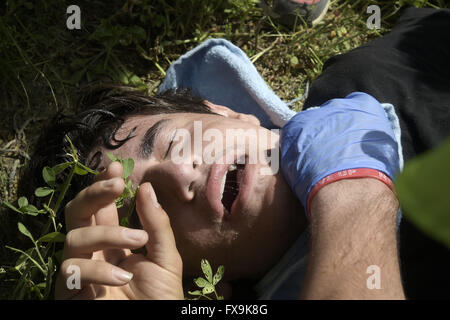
(179,181)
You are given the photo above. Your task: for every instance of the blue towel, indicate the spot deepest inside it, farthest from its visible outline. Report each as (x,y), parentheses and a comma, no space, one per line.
(220,72)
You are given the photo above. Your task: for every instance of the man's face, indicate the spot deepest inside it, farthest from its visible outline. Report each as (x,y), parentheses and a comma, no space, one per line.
(228,211)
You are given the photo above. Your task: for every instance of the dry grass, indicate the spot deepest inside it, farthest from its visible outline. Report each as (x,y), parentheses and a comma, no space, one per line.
(43,65)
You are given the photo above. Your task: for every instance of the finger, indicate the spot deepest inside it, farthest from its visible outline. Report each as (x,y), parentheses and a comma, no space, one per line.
(83,242)
(109,215)
(76,274)
(161,248)
(100,195)
(114,169)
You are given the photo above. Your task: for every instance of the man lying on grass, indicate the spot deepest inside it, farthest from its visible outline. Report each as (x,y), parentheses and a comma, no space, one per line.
(229,211)
(310,230)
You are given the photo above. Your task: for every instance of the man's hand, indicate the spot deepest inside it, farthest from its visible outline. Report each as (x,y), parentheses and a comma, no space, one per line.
(101,249)
(352,228)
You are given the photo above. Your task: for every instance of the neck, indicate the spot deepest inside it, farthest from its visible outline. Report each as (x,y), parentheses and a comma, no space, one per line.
(286,223)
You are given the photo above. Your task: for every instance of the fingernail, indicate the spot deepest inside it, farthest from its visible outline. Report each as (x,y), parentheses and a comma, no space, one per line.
(122,275)
(153,196)
(134,235)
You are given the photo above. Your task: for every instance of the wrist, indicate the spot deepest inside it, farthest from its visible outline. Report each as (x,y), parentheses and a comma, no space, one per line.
(352,194)
(348,175)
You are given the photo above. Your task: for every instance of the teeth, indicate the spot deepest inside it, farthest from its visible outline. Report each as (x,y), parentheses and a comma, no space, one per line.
(231,168)
(222,187)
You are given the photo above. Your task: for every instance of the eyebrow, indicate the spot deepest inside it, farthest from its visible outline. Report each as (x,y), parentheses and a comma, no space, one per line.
(148,141)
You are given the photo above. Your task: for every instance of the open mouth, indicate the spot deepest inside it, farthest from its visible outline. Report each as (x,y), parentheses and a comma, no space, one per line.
(230,185)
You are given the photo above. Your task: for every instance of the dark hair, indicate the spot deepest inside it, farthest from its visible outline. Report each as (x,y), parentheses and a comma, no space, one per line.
(99,115)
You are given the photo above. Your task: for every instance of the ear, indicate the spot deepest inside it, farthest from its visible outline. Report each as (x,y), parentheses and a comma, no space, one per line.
(227,112)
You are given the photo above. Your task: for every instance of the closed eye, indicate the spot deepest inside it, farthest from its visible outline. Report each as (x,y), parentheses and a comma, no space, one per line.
(170,144)
(150,137)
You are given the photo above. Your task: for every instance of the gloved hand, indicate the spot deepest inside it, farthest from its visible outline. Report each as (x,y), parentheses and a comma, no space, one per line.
(342,134)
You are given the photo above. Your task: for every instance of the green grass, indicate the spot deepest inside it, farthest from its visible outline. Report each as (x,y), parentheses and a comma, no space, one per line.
(43,65)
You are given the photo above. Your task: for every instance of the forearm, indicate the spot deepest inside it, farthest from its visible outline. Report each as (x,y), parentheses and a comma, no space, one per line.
(352,228)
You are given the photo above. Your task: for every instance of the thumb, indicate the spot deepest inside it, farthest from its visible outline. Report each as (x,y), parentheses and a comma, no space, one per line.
(161,247)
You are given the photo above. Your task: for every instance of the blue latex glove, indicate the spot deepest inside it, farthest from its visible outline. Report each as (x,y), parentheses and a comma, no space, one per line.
(342,134)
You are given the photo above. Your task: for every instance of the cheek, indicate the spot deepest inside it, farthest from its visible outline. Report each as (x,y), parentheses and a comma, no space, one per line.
(261,194)
(142,170)
(189,232)
(191,235)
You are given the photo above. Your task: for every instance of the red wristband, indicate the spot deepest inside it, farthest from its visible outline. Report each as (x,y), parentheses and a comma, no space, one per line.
(348,174)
